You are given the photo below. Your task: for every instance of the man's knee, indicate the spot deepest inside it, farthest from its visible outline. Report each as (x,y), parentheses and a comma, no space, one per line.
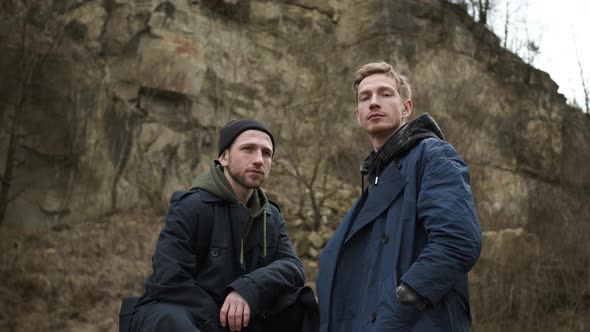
(289,319)
(163,317)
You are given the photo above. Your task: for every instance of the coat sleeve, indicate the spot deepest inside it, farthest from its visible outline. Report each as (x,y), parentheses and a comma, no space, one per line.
(262,287)
(174,264)
(446,208)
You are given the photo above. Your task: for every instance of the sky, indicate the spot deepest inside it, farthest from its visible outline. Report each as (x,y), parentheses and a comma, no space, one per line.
(561,29)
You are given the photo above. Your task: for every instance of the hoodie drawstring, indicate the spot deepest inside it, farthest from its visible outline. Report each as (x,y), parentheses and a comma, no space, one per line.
(264,234)
(242,264)
(242,254)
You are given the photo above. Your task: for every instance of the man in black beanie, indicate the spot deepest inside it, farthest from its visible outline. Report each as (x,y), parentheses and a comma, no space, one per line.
(224,261)
(235,127)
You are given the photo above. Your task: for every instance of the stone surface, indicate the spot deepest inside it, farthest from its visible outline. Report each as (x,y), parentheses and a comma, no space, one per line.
(125,99)
(510,246)
(117,104)
(316,240)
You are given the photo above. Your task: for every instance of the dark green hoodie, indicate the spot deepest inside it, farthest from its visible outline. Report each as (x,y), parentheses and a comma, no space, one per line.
(215,182)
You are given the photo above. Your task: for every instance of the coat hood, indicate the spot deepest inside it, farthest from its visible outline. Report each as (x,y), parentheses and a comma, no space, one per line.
(410,134)
(215,182)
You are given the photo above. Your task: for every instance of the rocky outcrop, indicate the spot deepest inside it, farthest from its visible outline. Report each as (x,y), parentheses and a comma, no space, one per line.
(113,105)
(120,103)
(510,246)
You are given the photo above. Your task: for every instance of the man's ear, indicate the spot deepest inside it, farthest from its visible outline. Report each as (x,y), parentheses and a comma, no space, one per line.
(223,158)
(356,113)
(408,106)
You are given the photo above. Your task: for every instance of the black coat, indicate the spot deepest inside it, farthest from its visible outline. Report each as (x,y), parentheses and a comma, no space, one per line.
(196,261)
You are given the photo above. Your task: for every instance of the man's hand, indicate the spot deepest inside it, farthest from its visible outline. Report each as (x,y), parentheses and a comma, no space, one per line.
(407,295)
(235,311)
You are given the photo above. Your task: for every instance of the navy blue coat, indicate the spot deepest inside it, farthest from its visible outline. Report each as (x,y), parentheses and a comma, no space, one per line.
(418,225)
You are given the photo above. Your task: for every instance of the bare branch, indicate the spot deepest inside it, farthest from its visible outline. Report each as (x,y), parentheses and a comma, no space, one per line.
(506,24)
(585,88)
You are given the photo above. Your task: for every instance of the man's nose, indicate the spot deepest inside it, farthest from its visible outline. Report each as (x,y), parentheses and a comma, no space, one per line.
(258,159)
(375,101)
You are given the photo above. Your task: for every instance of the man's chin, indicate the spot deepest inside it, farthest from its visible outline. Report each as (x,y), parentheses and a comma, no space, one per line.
(380,129)
(253,184)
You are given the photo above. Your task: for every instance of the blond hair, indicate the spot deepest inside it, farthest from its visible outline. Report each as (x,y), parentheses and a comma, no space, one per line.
(382,67)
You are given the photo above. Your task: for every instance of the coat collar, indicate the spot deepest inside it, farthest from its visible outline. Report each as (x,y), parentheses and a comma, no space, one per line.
(380,198)
(241,214)
(387,189)
(210,198)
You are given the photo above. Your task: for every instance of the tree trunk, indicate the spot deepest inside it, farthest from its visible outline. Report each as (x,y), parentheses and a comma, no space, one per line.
(8,168)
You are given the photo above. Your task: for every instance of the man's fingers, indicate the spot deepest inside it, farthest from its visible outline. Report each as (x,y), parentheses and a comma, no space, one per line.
(232,317)
(239,315)
(246,315)
(235,312)
(223,313)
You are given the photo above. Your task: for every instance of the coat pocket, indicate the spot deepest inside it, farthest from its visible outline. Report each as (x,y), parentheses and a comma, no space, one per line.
(392,315)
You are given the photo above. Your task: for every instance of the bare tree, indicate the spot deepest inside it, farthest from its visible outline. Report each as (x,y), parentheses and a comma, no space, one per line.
(309,161)
(533,49)
(39,32)
(314,137)
(585,87)
(515,20)
(481,10)
(506,24)
(515,24)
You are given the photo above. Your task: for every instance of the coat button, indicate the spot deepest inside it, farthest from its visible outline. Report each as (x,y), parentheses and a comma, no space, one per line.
(214,252)
(373,317)
(384,238)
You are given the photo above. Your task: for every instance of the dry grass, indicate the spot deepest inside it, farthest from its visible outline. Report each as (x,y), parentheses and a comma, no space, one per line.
(73,278)
(548,293)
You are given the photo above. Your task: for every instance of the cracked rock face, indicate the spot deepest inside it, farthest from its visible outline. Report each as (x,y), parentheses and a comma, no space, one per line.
(117,104)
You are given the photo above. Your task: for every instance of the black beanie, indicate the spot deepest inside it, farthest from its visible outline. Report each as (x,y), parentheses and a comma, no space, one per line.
(235,127)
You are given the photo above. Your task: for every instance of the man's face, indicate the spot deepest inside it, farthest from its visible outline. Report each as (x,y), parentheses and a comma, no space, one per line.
(248,159)
(380,109)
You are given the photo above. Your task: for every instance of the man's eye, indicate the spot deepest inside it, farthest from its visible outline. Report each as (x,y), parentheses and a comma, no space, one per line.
(363,98)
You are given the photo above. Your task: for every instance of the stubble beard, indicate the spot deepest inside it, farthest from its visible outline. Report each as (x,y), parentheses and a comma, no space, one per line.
(243,180)
(383,129)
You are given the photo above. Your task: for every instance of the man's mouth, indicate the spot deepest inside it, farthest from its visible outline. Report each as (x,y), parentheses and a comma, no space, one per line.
(375,116)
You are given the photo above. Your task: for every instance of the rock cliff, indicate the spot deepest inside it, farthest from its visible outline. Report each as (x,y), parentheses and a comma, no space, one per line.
(112,105)
(116,104)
